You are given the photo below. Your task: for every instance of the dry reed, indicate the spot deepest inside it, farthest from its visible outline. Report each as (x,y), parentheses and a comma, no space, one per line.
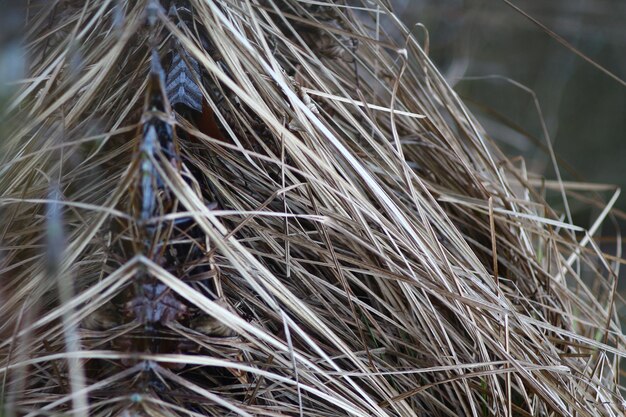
(323,229)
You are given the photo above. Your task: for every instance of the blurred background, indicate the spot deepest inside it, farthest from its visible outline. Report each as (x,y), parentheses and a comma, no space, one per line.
(584,109)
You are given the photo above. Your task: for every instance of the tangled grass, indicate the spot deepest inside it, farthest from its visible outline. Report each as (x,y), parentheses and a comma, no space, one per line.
(323,229)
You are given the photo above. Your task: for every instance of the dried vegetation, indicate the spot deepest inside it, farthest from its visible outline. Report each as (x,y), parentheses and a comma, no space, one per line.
(268,208)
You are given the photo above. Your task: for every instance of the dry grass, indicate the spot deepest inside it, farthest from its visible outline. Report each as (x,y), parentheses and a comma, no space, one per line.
(373,259)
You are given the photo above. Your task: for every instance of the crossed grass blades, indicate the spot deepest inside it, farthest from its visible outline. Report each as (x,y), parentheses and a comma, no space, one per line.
(269,208)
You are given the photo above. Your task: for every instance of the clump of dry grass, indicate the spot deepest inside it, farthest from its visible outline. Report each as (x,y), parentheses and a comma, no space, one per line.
(332,234)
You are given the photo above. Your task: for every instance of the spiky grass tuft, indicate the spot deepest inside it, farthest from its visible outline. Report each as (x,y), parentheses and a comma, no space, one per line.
(269,208)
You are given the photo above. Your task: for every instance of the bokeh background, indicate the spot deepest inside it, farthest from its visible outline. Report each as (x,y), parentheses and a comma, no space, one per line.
(584,109)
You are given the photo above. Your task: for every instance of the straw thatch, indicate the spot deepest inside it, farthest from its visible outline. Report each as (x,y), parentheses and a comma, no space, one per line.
(269,208)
